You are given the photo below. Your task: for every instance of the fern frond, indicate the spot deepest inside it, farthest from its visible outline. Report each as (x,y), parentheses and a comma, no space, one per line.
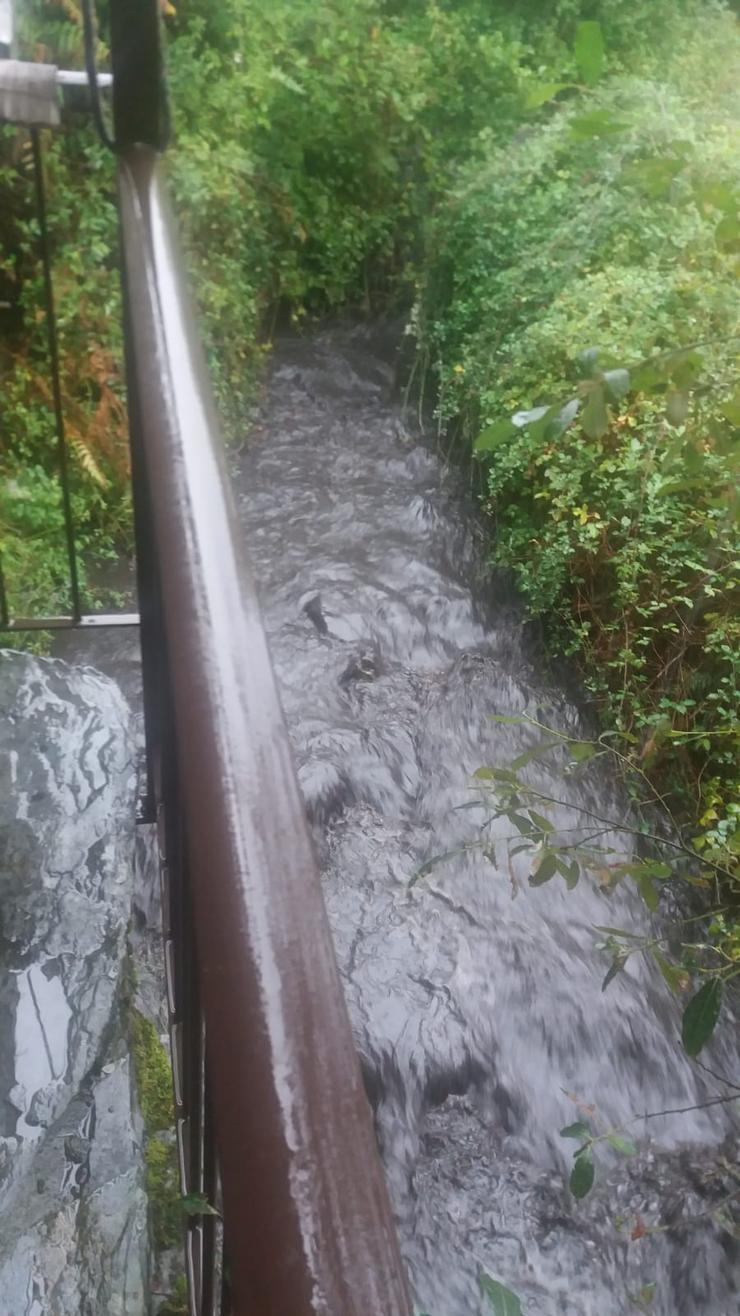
(86,459)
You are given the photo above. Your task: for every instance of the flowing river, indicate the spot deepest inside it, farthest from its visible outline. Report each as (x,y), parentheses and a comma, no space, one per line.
(476,999)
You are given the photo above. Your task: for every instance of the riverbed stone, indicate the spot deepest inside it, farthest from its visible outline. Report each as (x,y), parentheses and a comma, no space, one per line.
(72,1200)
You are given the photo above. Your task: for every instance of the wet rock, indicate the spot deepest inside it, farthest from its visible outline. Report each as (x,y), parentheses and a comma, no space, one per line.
(74,1211)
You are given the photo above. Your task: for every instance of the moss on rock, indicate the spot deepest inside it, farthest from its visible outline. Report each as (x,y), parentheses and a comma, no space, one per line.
(153,1074)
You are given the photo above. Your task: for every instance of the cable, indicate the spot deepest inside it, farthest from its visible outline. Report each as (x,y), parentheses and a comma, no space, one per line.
(88,27)
(56,386)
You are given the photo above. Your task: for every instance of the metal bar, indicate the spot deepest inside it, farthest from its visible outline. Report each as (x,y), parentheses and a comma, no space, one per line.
(88,622)
(53,349)
(139,105)
(151,636)
(305,1200)
(4,614)
(79,78)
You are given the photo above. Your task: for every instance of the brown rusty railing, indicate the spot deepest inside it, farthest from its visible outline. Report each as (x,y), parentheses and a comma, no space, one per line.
(267,1080)
(289,1212)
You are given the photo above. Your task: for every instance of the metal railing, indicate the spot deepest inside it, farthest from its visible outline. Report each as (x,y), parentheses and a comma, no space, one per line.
(273,1125)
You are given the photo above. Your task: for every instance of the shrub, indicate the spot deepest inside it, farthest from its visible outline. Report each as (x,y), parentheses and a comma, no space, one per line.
(614,227)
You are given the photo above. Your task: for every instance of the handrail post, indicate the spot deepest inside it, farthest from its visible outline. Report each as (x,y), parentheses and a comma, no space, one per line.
(139,98)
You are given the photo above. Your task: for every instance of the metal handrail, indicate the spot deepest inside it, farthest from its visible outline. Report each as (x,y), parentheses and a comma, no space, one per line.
(307,1221)
(289,1210)
(267,1080)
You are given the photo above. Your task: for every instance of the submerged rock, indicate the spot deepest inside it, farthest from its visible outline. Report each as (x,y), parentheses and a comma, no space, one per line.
(74,1211)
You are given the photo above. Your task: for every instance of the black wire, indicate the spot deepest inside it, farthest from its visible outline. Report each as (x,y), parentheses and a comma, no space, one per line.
(88,27)
(4,614)
(56,386)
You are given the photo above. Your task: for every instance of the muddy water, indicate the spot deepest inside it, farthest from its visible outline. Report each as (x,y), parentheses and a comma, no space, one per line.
(476,999)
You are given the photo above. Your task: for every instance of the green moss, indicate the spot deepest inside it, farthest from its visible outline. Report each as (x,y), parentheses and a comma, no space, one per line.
(153,1075)
(163,1189)
(177,1303)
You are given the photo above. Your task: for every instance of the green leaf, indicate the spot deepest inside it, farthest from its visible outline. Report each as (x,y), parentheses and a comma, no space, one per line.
(589,51)
(494,436)
(587,362)
(429,864)
(595,418)
(496,774)
(647,890)
(621,1144)
(700,1016)
(540,821)
(193,1204)
(599,123)
(657,869)
(542,92)
(523,825)
(727,233)
(582,1175)
(650,377)
(685,368)
(578,1130)
(617,383)
(535,752)
(677,406)
(618,932)
(544,869)
(560,422)
(570,870)
(503,1301)
(526,419)
(615,967)
(580,750)
(671,975)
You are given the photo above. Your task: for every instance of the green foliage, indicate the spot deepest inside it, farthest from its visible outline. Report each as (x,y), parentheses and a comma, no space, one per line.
(153,1076)
(705,946)
(163,1191)
(310,144)
(611,474)
(701,1015)
(177,1303)
(84,247)
(583,1173)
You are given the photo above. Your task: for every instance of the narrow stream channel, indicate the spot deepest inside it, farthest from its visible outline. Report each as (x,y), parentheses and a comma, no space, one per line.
(476,999)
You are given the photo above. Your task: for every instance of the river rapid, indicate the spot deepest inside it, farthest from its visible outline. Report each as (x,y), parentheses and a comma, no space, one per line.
(476,999)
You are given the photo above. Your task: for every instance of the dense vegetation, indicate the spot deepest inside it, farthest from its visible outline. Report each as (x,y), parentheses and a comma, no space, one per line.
(552,187)
(587,286)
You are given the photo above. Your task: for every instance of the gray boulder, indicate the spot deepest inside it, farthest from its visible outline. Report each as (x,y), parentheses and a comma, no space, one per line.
(74,1213)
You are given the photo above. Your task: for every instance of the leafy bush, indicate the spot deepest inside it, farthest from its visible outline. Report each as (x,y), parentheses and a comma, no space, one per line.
(614,227)
(308,143)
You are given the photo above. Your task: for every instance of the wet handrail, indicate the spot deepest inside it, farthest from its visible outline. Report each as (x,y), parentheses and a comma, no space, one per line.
(308,1227)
